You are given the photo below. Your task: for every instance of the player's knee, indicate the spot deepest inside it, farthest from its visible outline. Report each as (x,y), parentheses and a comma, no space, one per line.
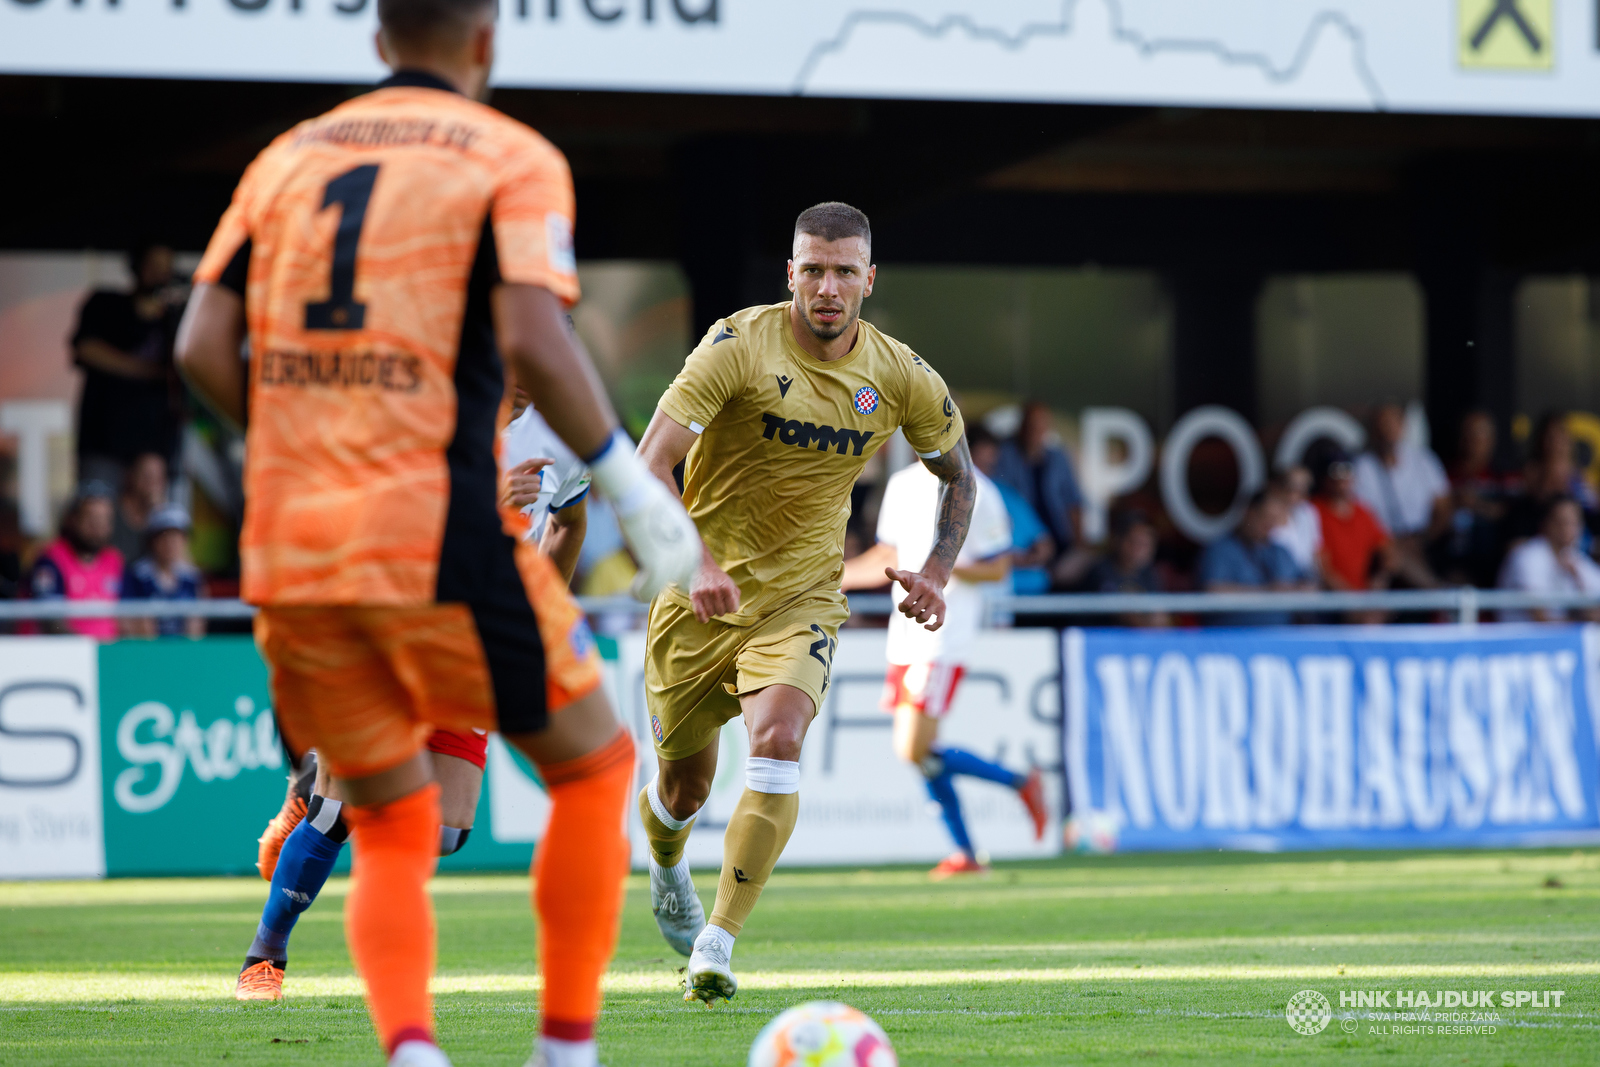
(778,739)
(912,749)
(683,795)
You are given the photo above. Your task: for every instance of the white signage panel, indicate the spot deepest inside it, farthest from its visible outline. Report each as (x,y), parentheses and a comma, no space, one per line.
(52,824)
(1533,57)
(859,804)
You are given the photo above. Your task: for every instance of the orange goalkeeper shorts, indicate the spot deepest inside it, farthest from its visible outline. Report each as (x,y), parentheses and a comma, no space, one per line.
(365,685)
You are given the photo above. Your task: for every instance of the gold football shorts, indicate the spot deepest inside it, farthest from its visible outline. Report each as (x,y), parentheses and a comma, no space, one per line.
(695,672)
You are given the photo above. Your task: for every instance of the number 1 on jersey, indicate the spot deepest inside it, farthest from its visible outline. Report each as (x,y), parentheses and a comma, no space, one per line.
(351,191)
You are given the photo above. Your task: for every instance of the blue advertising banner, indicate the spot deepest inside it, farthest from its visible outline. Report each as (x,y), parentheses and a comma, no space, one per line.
(1333,737)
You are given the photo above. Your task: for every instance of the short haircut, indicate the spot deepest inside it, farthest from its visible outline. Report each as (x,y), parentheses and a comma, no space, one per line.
(1549,507)
(1125,522)
(833,221)
(418,23)
(1258,498)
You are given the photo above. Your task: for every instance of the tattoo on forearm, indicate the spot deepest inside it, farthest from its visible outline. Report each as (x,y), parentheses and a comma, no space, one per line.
(956,497)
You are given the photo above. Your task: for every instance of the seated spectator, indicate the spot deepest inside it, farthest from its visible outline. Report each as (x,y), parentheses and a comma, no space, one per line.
(164,572)
(81,564)
(1301,532)
(1470,551)
(1036,466)
(1356,550)
(1553,563)
(1551,472)
(123,343)
(1130,567)
(144,489)
(1032,546)
(1249,561)
(1405,487)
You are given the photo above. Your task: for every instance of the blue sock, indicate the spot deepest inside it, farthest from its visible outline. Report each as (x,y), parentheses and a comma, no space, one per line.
(942,788)
(960,761)
(303,867)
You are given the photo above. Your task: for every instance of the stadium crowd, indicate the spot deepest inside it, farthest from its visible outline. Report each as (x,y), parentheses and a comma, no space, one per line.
(1392,517)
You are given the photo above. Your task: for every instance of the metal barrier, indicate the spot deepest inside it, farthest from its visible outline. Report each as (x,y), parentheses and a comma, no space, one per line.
(1464,603)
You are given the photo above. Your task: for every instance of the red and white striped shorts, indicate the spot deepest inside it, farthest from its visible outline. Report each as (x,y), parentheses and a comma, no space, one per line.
(926,688)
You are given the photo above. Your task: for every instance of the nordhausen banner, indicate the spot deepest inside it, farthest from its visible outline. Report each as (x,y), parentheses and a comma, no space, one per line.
(1529,57)
(1334,737)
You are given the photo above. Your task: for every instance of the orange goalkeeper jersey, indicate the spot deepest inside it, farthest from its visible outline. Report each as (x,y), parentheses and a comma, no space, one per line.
(365,243)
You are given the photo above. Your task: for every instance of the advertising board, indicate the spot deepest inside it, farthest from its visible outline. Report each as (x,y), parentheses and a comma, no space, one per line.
(1324,737)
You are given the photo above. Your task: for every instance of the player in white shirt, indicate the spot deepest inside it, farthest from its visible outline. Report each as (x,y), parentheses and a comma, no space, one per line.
(551,485)
(926,667)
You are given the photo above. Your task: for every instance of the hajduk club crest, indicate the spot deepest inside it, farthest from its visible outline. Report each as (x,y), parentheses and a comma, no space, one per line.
(866,400)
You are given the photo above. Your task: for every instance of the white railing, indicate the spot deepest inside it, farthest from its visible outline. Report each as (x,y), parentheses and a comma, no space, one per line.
(1465,604)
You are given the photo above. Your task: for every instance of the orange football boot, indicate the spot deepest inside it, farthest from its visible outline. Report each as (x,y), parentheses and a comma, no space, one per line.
(288,817)
(260,982)
(957,863)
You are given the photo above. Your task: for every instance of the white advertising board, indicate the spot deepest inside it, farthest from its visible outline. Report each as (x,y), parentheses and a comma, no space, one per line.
(1530,57)
(52,824)
(858,803)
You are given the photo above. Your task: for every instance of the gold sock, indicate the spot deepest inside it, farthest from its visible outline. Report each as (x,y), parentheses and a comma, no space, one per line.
(757,831)
(666,844)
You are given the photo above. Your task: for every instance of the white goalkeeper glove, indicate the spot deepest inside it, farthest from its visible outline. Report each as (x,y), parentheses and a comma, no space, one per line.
(657,529)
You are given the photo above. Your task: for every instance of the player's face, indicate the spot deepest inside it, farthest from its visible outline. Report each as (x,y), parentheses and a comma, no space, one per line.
(829,279)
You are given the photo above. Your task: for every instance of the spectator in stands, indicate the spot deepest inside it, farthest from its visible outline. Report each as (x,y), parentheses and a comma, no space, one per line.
(1036,466)
(1470,552)
(1249,561)
(123,343)
(1404,485)
(1357,552)
(1553,563)
(164,572)
(1551,472)
(1130,566)
(1032,546)
(144,489)
(1301,532)
(81,564)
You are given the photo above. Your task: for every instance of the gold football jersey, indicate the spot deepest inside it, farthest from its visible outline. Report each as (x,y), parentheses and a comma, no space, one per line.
(783,437)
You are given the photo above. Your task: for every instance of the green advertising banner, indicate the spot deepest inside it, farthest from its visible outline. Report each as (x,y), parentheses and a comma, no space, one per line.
(193,768)
(191,762)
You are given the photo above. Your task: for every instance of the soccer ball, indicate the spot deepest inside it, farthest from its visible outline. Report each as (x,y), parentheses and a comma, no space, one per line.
(1093,831)
(823,1033)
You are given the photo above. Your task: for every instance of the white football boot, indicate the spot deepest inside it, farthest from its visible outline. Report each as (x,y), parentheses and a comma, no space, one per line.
(676,905)
(548,1052)
(709,976)
(418,1054)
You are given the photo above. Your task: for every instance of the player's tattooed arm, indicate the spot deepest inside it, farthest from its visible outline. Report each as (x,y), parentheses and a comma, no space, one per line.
(956,497)
(924,600)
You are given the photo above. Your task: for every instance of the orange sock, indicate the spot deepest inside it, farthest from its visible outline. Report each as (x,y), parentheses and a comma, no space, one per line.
(577,887)
(388,916)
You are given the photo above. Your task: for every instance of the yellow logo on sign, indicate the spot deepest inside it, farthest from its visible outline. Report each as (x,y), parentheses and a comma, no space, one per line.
(1507,34)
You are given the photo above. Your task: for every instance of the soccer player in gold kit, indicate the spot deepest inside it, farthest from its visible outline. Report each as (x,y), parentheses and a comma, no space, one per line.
(775,414)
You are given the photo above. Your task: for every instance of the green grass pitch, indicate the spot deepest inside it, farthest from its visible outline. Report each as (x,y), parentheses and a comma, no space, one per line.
(1123,959)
